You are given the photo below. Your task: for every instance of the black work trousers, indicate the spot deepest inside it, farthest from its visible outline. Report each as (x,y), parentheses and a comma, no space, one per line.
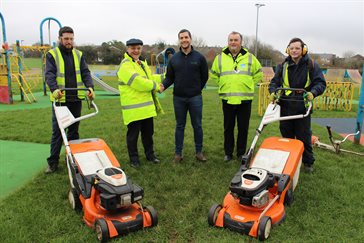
(146,128)
(300,129)
(72,131)
(241,114)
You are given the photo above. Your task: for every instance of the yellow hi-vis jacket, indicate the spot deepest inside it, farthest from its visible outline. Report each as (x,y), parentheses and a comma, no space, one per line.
(236,79)
(61,79)
(286,80)
(138,89)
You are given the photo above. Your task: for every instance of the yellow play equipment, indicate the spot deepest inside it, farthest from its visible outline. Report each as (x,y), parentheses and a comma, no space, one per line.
(337,96)
(17,76)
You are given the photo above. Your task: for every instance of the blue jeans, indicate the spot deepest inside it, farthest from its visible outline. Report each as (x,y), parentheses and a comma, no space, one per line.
(193,105)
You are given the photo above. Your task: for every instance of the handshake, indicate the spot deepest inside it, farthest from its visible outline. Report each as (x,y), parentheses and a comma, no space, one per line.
(161,88)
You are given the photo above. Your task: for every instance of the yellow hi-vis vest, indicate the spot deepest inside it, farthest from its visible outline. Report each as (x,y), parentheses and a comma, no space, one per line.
(61,79)
(236,79)
(137,90)
(286,81)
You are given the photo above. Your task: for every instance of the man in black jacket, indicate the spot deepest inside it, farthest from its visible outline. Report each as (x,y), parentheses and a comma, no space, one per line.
(66,68)
(298,71)
(188,71)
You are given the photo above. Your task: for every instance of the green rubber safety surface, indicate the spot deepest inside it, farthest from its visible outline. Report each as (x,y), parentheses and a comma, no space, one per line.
(19,163)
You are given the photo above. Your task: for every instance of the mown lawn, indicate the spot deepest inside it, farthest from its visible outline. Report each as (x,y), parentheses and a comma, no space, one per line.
(327,207)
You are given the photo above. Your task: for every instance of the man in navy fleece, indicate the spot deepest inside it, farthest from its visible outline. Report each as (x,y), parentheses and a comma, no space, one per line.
(188,71)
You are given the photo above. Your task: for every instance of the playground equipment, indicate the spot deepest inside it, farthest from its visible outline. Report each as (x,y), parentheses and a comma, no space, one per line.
(42,44)
(111,202)
(337,96)
(268,74)
(6,95)
(360,110)
(353,75)
(104,85)
(11,70)
(335,147)
(263,186)
(166,55)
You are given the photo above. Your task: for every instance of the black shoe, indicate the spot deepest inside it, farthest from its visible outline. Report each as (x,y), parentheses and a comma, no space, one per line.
(227,158)
(51,168)
(308,168)
(154,160)
(135,163)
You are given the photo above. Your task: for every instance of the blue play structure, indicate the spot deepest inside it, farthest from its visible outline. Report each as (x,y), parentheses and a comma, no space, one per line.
(166,54)
(42,44)
(360,110)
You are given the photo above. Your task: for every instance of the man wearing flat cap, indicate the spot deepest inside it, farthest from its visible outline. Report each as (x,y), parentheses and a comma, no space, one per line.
(139,103)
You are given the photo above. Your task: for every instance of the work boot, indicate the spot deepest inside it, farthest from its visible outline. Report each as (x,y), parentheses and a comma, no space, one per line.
(51,168)
(153,159)
(228,158)
(177,158)
(308,168)
(201,157)
(135,163)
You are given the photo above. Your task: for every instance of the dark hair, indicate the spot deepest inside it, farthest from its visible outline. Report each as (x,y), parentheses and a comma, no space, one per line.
(183,31)
(65,29)
(296,40)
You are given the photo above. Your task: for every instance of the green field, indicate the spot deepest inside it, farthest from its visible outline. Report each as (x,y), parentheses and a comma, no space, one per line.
(327,205)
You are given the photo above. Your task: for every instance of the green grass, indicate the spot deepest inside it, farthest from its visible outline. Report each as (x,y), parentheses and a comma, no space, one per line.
(32,63)
(327,207)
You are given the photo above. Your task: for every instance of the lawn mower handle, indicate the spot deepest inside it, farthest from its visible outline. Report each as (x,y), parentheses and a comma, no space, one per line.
(90,105)
(291,89)
(269,118)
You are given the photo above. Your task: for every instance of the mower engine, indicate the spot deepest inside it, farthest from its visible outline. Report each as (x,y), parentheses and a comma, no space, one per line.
(251,187)
(116,191)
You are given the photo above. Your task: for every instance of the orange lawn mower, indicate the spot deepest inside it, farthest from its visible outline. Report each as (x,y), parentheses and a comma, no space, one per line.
(110,201)
(264,185)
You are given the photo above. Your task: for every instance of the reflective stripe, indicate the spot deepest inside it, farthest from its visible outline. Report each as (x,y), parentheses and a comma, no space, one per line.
(78,71)
(215,73)
(57,64)
(79,84)
(240,72)
(61,86)
(78,55)
(126,107)
(121,83)
(125,60)
(219,62)
(286,81)
(250,62)
(154,85)
(236,94)
(259,70)
(131,79)
(284,73)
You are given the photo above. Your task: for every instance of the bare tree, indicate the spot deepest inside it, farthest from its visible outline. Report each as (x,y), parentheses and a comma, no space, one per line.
(348,54)
(198,42)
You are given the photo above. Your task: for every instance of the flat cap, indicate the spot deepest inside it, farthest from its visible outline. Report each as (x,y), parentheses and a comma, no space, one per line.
(134,41)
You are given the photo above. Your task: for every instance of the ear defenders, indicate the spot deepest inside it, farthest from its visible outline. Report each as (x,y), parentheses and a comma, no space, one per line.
(304,50)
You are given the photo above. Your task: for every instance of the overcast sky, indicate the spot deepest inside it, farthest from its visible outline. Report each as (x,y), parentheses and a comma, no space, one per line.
(327,26)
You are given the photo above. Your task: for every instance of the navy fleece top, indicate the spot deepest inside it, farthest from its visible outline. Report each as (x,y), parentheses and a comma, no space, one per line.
(189,74)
